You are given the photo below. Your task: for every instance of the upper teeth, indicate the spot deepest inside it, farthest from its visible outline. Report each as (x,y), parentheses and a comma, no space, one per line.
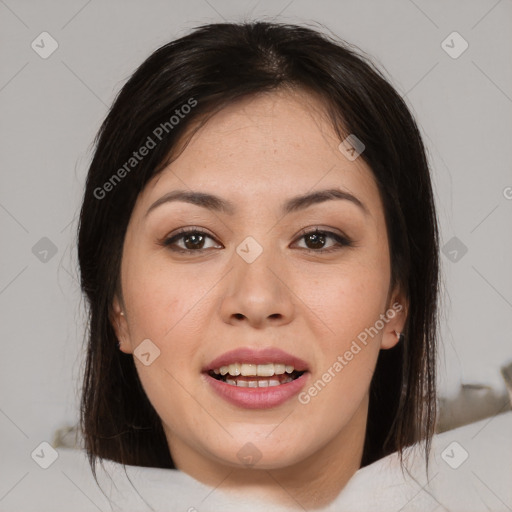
(257,370)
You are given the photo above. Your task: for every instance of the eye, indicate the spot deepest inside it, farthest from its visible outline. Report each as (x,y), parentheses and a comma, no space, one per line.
(318,241)
(189,240)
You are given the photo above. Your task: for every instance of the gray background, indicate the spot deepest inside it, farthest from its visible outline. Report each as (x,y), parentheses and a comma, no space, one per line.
(51,109)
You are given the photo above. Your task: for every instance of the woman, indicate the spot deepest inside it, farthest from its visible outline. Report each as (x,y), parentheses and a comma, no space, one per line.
(258,246)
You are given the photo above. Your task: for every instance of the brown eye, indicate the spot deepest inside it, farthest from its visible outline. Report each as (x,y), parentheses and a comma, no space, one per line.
(315,240)
(193,241)
(189,241)
(324,241)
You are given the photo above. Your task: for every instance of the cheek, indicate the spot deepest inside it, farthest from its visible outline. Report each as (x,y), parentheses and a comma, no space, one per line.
(347,304)
(346,300)
(162,299)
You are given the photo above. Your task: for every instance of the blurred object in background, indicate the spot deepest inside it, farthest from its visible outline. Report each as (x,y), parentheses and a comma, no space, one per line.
(506,371)
(475,402)
(68,436)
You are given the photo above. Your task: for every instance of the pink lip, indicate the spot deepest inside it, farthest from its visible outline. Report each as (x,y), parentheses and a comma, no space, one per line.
(257,398)
(252,356)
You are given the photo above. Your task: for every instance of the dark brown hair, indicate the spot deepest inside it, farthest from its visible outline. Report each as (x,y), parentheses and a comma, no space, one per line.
(214,66)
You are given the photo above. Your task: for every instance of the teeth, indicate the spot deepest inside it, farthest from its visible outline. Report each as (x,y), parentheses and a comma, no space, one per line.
(264,383)
(248,370)
(234,369)
(279,369)
(265,370)
(254,370)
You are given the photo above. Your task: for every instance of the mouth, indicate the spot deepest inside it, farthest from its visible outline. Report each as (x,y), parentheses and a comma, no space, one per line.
(256,379)
(247,375)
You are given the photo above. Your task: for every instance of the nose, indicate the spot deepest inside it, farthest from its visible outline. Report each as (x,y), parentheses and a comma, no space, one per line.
(257,294)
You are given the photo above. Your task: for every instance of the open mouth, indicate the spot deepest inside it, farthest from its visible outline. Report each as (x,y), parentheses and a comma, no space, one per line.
(256,375)
(252,379)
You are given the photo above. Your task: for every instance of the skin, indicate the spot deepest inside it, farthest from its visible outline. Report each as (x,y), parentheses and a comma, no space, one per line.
(194,307)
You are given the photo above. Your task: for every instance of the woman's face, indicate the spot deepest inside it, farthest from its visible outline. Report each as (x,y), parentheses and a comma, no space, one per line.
(254,285)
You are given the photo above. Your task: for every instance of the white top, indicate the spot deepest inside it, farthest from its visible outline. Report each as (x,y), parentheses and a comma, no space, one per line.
(470,471)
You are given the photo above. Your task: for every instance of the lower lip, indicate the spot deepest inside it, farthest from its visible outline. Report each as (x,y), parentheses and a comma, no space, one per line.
(257,398)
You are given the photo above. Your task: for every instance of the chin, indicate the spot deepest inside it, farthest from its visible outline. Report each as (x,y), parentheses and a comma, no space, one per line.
(264,453)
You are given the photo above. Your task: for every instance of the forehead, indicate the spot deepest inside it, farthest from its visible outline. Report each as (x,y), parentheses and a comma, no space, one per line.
(271,145)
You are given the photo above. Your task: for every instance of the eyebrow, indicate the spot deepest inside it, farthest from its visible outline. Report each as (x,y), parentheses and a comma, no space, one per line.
(216,203)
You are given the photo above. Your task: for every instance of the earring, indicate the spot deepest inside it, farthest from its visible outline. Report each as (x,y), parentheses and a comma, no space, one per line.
(121,313)
(398,335)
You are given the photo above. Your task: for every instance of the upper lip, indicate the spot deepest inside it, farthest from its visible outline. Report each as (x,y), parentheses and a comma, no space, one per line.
(257,356)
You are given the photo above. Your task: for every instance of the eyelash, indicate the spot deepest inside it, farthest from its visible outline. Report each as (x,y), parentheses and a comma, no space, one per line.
(341,240)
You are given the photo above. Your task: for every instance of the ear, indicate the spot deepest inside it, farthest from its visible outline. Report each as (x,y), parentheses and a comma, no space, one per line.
(120,325)
(396,316)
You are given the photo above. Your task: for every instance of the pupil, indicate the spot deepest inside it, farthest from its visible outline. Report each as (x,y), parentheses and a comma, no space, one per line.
(196,241)
(317,239)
